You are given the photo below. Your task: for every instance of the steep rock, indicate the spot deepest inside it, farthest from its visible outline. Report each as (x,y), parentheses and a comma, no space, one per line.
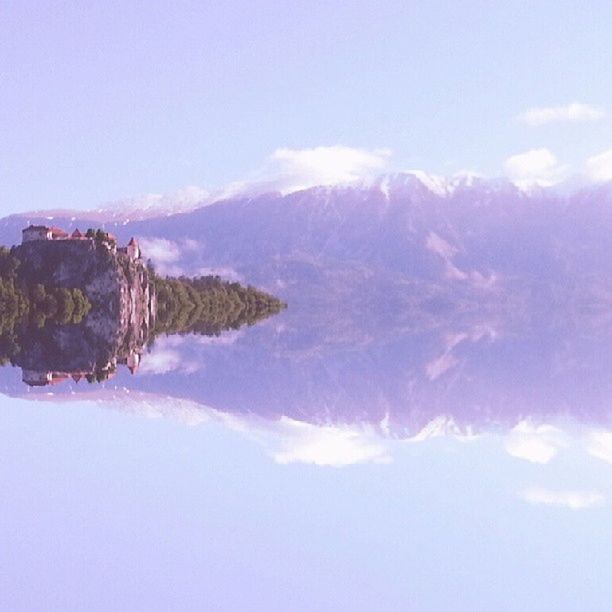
(118,287)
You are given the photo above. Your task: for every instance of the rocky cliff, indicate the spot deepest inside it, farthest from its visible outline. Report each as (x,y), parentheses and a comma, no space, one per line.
(123,302)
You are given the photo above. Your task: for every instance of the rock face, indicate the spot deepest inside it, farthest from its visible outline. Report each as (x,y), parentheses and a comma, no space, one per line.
(118,287)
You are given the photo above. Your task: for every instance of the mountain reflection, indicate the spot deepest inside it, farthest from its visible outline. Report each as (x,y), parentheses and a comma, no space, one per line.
(462,375)
(411,315)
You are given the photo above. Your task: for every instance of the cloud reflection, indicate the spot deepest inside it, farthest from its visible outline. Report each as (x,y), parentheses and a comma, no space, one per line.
(535,443)
(299,442)
(574,500)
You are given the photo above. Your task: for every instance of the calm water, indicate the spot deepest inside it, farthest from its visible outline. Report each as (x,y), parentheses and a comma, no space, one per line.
(466,466)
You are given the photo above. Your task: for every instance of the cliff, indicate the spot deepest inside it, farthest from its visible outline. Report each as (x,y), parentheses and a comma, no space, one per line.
(118,287)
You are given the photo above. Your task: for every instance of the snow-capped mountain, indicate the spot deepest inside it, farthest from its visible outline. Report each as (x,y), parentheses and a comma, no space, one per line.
(413,225)
(406,294)
(460,235)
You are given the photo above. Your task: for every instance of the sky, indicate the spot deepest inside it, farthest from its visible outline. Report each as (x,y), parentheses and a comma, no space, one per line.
(163,515)
(101,101)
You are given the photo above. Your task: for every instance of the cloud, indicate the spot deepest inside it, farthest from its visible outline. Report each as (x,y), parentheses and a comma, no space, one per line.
(574,112)
(535,443)
(160,362)
(161,250)
(286,440)
(166,254)
(288,170)
(285,170)
(537,167)
(164,358)
(599,167)
(575,500)
(599,444)
(328,445)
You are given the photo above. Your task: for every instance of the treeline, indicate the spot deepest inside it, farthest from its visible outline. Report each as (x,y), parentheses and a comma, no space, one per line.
(100,236)
(24,302)
(208,305)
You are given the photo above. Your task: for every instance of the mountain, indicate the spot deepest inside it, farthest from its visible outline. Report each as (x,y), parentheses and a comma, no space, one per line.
(409,298)
(406,238)
(400,223)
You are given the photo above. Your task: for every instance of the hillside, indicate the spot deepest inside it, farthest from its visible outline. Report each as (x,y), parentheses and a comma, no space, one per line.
(480,302)
(79,305)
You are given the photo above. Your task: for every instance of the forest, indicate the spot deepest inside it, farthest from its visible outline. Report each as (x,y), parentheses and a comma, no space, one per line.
(23,304)
(205,305)
(208,305)
(35,303)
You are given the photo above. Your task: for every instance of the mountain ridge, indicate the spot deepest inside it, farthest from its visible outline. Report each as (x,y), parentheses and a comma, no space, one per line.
(319,246)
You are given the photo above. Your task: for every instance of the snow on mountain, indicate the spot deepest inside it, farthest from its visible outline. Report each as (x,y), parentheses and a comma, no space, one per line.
(390,283)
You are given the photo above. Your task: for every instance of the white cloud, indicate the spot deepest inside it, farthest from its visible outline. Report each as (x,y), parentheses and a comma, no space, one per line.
(575,500)
(537,167)
(535,443)
(164,357)
(166,254)
(575,112)
(336,446)
(160,362)
(161,250)
(286,440)
(599,167)
(599,444)
(288,170)
(285,170)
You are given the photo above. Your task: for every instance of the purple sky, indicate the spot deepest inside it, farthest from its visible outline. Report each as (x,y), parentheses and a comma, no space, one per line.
(102,101)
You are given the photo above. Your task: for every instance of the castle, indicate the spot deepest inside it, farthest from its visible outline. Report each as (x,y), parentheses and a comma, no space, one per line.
(43,378)
(42,232)
(120,293)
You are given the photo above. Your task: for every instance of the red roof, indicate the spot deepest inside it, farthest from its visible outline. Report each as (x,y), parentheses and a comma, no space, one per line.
(77,233)
(133,242)
(55,231)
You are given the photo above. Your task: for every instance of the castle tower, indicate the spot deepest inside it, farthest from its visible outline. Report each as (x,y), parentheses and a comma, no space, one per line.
(133,250)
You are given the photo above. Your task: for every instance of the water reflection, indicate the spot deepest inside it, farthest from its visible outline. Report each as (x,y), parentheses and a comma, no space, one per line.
(55,354)
(471,446)
(310,395)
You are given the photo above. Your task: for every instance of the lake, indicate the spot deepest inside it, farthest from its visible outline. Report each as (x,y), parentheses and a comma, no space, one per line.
(286,466)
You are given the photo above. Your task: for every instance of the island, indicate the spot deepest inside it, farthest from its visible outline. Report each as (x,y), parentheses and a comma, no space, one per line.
(78,305)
